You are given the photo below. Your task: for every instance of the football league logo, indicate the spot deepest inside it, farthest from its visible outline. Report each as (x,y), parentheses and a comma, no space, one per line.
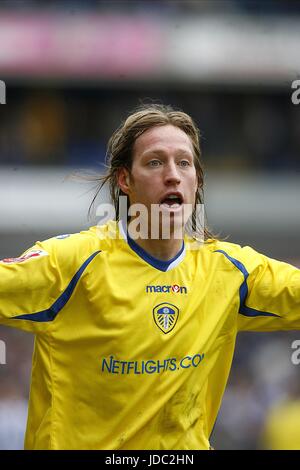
(25,257)
(165,316)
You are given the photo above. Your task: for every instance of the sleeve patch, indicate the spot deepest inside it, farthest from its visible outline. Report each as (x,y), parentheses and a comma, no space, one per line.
(30,254)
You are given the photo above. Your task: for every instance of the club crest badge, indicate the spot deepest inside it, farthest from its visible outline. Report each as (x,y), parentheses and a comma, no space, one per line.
(165,316)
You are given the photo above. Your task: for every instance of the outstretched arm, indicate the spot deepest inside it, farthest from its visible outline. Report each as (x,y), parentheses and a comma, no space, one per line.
(29,285)
(270,299)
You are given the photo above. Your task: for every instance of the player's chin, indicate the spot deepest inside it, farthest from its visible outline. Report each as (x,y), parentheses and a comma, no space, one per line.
(180,216)
(175,224)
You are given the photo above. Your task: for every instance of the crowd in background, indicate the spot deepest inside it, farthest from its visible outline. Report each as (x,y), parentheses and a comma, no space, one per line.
(241,130)
(278,7)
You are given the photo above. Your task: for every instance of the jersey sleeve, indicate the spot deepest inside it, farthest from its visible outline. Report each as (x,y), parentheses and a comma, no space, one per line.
(269,295)
(35,287)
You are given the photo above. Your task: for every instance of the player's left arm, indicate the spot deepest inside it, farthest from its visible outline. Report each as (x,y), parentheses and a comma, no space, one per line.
(270,296)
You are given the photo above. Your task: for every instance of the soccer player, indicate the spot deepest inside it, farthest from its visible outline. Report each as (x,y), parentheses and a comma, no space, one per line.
(135,332)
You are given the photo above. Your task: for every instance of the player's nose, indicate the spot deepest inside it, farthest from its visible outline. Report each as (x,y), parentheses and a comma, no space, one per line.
(172,174)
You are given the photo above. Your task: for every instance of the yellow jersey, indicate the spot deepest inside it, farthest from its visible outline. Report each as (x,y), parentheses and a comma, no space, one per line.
(131,352)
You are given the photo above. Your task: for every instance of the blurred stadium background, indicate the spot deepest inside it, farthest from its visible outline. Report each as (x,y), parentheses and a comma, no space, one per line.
(73,70)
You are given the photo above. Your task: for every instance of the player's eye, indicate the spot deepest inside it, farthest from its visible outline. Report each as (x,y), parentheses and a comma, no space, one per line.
(184,163)
(154,163)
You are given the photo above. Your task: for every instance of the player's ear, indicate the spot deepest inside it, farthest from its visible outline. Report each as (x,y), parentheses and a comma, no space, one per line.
(123,179)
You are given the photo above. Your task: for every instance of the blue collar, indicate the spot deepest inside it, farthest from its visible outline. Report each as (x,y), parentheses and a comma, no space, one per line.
(156,263)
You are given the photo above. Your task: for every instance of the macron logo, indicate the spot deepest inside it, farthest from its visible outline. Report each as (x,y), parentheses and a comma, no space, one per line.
(166,289)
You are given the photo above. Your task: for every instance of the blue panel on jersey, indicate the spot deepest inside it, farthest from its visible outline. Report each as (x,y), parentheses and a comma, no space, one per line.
(244,310)
(51,312)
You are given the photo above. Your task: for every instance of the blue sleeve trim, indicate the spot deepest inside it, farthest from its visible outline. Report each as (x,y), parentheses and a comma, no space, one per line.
(51,313)
(244,310)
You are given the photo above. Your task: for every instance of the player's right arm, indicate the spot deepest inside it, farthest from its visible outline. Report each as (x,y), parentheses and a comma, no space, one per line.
(29,285)
(35,288)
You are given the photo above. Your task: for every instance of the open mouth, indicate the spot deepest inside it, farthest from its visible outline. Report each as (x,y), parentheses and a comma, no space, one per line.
(172,201)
